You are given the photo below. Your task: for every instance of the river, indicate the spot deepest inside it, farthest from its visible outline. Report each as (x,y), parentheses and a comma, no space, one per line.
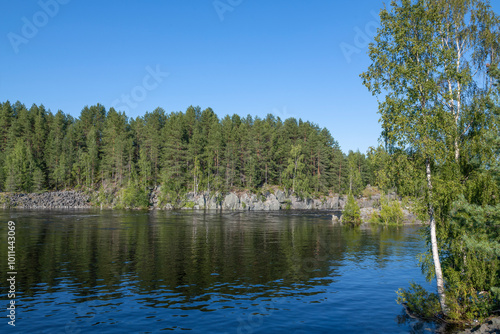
(87,271)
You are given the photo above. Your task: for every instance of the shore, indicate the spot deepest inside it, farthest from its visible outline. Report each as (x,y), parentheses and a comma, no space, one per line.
(232,201)
(491,326)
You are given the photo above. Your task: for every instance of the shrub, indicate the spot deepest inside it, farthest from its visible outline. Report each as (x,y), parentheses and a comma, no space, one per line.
(370,191)
(351,214)
(133,196)
(189,205)
(419,302)
(391,212)
(375,218)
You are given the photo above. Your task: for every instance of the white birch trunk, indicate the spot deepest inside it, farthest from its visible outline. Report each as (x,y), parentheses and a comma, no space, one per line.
(434,245)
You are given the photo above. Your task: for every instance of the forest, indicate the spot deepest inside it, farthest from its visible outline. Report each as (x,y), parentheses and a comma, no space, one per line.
(181,151)
(434,67)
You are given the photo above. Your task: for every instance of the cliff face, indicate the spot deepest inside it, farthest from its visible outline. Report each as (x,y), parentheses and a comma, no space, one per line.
(251,202)
(233,201)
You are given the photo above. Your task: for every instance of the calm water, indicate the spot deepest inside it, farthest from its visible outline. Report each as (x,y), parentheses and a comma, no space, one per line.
(117,272)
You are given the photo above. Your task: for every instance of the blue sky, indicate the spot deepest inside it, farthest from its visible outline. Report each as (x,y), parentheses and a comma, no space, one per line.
(291,58)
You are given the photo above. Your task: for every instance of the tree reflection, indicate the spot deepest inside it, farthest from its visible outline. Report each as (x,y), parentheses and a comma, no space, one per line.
(188,258)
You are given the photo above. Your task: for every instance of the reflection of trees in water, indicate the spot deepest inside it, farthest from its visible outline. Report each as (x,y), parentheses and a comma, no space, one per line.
(191,257)
(419,326)
(379,243)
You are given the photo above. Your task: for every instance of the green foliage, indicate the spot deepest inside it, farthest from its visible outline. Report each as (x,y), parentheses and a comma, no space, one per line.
(171,193)
(351,214)
(472,261)
(463,300)
(19,167)
(4,201)
(375,218)
(419,301)
(369,192)
(181,151)
(441,132)
(294,175)
(391,212)
(134,196)
(189,204)
(356,164)
(38,180)
(219,198)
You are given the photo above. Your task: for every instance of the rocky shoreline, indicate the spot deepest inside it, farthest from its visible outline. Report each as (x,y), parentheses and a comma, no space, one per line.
(233,201)
(489,327)
(47,200)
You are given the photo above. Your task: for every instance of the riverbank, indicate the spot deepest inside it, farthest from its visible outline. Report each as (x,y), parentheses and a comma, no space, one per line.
(491,326)
(271,200)
(69,199)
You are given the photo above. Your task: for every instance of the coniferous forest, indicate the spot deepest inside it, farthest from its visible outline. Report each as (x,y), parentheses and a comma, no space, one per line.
(434,67)
(181,151)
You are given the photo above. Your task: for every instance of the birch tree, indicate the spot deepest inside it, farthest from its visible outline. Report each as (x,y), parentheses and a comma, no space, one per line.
(426,63)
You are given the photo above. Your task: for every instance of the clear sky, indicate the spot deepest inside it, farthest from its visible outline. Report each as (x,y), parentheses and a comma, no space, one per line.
(291,58)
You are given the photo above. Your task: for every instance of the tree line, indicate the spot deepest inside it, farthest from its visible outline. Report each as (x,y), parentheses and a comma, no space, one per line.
(181,151)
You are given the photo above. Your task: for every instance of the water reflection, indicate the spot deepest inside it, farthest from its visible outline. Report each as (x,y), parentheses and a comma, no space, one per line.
(188,264)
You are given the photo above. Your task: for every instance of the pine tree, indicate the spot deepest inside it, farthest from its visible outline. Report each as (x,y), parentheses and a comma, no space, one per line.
(214,148)
(174,154)
(6,119)
(116,142)
(19,168)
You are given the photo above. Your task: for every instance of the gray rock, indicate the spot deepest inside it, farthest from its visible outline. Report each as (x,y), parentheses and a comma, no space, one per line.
(211,203)
(298,204)
(367,203)
(280,196)
(231,202)
(273,204)
(366,213)
(200,201)
(341,203)
(50,200)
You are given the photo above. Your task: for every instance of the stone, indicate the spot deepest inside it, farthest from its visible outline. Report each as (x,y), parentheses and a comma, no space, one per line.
(200,201)
(341,204)
(258,206)
(366,213)
(231,202)
(280,196)
(273,204)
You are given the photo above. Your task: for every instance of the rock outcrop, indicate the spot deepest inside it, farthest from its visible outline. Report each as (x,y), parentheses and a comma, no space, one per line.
(247,201)
(46,200)
(232,201)
(489,327)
